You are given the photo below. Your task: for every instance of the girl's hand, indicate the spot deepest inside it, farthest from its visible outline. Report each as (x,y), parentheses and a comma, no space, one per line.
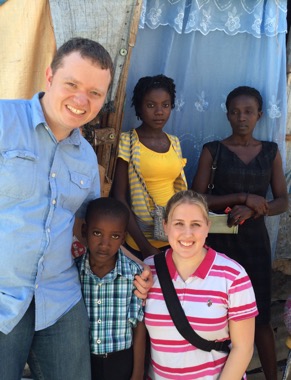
(258,204)
(238,214)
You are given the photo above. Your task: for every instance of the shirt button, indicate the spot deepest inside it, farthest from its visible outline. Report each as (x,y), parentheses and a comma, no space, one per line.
(36,286)
(48,230)
(99,321)
(98,341)
(53,175)
(99,302)
(82,182)
(54,202)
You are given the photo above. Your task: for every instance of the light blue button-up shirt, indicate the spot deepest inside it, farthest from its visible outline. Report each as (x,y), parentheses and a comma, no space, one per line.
(43,183)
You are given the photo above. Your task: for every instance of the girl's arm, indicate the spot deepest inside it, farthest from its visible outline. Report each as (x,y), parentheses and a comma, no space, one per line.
(242,339)
(120,190)
(220,202)
(279,188)
(139,338)
(279,203)
(144,281)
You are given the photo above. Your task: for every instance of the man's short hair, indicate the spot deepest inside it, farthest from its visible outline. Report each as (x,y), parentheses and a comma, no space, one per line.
(88,49)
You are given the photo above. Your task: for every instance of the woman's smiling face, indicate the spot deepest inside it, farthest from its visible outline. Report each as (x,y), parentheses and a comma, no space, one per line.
(187,229)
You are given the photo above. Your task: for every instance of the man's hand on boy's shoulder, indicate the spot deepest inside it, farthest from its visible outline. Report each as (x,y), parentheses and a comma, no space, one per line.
(143,282)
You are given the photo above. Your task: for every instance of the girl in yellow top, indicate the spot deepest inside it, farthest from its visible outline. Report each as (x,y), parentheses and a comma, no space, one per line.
(157,157)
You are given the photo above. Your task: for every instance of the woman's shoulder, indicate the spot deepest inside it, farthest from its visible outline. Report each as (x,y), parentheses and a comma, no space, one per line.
(269,149)
(269,145)
(125,135)
(173,138)
(212,146)
(227,264)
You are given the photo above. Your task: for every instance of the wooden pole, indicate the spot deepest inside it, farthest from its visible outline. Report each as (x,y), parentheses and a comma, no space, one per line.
(115,119)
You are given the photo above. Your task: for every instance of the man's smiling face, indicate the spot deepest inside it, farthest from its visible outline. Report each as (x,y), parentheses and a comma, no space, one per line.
(75,93)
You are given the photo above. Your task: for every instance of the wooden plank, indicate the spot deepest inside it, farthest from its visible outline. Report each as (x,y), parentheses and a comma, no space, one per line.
(116,118)
(104,136)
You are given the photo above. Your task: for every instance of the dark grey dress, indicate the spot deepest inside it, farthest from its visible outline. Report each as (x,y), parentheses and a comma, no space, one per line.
(251,246)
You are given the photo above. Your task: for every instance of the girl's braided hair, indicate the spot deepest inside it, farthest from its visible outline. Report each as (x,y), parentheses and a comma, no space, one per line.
(146,84)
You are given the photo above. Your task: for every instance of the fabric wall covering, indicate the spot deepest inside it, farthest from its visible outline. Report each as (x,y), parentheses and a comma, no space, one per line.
(32,29)
(27,47)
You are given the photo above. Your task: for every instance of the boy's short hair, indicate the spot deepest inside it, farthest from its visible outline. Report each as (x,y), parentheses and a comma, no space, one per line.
(88,49)
(109,207)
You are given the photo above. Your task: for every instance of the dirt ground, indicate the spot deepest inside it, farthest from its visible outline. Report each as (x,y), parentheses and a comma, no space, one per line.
(281,290)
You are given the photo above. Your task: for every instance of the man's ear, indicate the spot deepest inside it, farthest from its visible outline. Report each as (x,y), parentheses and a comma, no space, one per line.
(49,77)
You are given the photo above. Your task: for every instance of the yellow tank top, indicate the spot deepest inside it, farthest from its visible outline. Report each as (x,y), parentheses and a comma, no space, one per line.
(159,171)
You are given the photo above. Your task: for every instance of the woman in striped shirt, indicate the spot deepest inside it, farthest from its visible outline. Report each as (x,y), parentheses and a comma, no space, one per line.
(215,293)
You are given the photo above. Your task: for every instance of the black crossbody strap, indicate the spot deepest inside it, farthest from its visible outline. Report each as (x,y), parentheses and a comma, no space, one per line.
(177,313)
(213,169)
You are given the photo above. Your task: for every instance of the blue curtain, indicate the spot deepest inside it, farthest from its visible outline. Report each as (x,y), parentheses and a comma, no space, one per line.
(210,47)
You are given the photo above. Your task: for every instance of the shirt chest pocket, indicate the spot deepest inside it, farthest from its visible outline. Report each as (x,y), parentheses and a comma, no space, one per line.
(17,173)
(76,191)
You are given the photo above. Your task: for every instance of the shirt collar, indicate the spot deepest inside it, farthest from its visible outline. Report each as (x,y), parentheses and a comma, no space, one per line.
(39,118)
(203,269)
(121,266)
(36,110)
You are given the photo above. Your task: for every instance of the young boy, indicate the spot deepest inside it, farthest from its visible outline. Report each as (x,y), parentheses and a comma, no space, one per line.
(117,333)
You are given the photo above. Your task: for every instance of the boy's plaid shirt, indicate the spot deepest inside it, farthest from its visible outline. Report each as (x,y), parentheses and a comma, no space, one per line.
(112,307)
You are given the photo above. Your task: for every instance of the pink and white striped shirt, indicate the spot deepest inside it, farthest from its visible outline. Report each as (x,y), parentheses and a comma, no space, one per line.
(218,291)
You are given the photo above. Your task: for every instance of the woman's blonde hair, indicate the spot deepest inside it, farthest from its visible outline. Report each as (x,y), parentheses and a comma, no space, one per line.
(189,197)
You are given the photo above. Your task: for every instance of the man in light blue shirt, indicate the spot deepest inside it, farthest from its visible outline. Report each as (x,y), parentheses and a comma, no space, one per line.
(48,173)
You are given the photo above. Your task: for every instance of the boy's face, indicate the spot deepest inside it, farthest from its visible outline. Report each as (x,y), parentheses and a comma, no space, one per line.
(104,236)
(243,114)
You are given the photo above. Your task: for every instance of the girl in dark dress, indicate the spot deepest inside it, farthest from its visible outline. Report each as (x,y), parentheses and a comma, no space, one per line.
(245,169)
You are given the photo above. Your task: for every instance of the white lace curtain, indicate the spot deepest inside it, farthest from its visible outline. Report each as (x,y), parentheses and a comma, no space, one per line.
(210,47)
(256,17)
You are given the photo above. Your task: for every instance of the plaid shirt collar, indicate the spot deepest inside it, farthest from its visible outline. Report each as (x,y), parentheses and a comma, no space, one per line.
(121,267)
